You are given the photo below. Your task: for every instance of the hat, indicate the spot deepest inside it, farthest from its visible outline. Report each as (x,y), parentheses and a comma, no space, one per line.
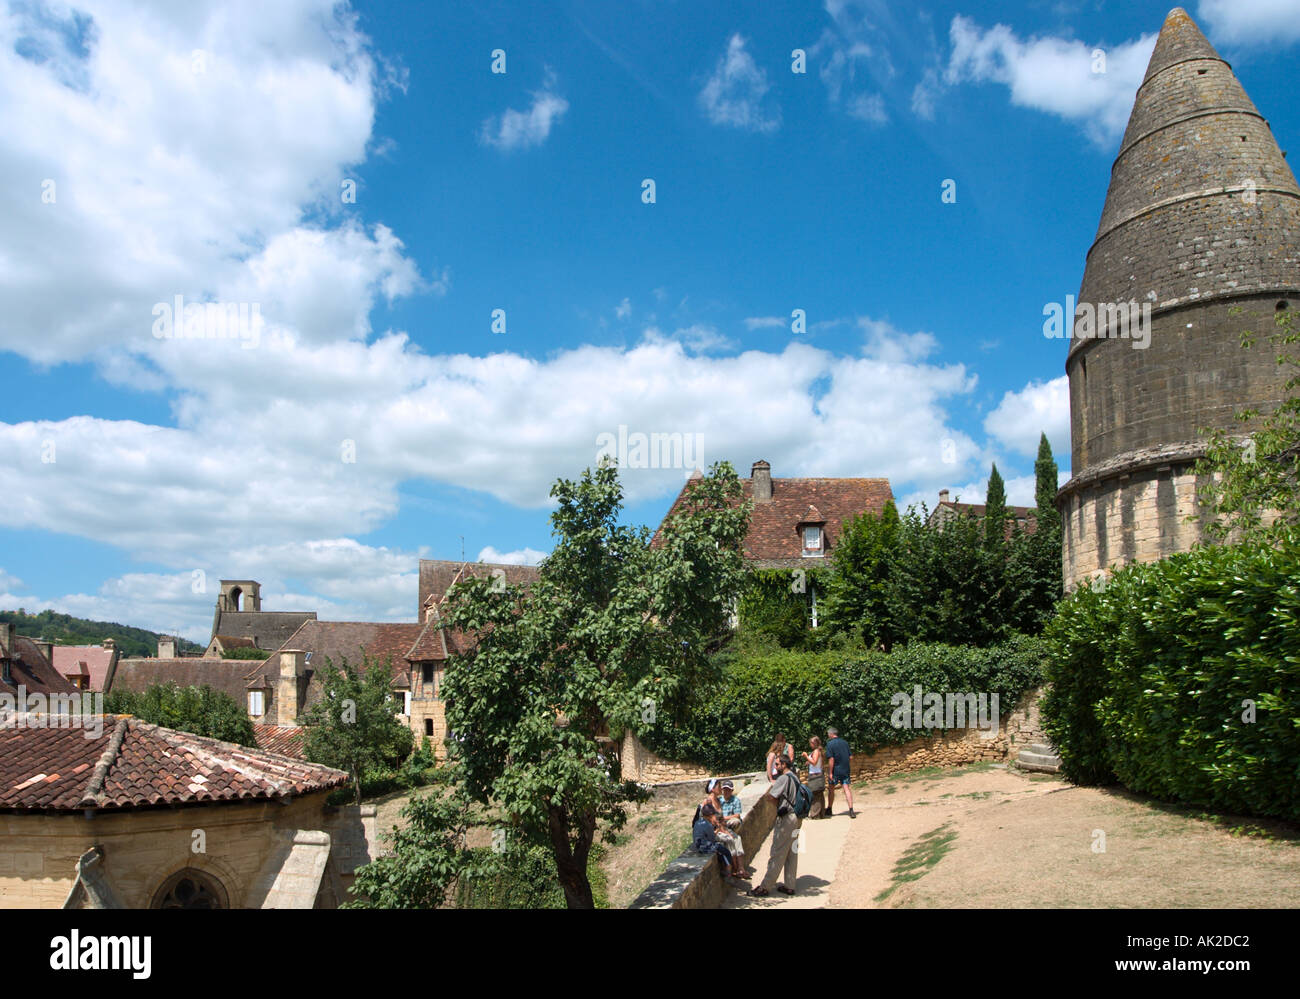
(728,786)
(713,783)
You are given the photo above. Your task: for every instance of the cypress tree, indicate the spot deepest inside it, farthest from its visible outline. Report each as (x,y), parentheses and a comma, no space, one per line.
(1045,475)
(995,511)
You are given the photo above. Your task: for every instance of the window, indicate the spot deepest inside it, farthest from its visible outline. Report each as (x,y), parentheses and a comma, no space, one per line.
(255,706)
(812,542)
(427,673)
(428,726)
(190,889)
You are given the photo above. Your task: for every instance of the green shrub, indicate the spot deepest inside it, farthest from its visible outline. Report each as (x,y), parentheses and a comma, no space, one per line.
(1152,679)
(728,725)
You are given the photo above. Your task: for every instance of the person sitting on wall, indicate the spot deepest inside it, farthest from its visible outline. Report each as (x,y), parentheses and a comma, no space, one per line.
(730,805)
(712,790)
(733,843)
(706,839)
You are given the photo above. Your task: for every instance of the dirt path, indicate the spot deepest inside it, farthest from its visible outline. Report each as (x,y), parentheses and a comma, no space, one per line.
(991,837)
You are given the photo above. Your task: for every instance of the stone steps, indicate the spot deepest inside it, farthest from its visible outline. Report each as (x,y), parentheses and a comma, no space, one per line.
(1039,757)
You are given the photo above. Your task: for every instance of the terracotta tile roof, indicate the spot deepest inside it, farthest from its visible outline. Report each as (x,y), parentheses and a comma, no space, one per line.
(91,661)
(774,540)
(283,739)
(132,764)
(351,640)
(29,668)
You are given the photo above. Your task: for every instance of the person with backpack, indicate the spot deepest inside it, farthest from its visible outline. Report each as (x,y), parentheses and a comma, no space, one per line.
(793,803)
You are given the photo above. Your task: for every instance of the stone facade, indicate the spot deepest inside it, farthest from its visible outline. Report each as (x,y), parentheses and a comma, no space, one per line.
(1202,224)
(261,854)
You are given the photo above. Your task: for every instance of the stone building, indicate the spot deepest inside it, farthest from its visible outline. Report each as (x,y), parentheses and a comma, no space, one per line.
(1202,225)
(239,615)
(138,816)
(1019,518)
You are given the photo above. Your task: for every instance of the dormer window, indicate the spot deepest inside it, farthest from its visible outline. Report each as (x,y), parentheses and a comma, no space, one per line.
(812,541)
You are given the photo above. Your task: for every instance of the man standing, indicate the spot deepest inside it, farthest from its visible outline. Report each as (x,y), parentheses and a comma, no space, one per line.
(838,751)
(785,831)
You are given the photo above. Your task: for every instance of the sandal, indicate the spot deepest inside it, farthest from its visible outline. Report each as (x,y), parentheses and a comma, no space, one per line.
(759,892)
(784,890)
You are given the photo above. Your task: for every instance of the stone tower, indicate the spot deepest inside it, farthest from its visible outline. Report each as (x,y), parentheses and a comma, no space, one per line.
(240,595)
(1201,222)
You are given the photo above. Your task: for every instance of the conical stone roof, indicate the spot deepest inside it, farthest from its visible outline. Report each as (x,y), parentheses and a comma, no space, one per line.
(1202,204)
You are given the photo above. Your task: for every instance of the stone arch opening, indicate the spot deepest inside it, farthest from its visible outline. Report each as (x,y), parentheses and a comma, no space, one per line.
(190,889)
(236,594)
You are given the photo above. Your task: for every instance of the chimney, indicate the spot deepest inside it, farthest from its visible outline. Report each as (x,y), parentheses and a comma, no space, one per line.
(293,665)
(47,650)
(166,647)
(943,495)
(761,476)
(110,644)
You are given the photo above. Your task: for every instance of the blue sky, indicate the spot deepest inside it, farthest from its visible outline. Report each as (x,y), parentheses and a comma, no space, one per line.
(362,179)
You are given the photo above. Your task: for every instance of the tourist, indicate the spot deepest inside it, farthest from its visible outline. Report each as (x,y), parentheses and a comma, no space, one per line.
(838,750)
(730,805)
(778,748)
(816,778)
(784,832)
(706,839)
(712,790)
(733,844)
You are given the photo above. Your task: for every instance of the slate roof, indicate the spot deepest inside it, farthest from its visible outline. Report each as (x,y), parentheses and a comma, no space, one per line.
(91,661)
(230,676)
(1024,517)
(30,669)
(774,540)
(133,764)
(437,575)
(268,629)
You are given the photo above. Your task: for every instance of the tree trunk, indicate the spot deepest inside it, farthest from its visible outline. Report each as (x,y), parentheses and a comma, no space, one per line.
(570,863)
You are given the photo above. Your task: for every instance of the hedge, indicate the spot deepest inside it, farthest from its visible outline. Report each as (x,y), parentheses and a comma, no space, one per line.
(1153,679)
(730,724)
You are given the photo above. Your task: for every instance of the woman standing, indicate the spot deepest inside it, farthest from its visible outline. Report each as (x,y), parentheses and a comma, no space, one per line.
(816,777)
(779,747)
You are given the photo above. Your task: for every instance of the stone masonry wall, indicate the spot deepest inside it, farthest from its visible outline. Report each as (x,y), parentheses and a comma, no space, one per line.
(1017,729)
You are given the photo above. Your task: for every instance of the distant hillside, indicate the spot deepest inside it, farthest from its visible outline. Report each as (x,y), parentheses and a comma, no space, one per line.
(64,629)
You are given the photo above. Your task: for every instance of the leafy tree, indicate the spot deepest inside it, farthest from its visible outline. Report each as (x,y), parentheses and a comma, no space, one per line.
(613,634)
(427,857)
(353,726)
(1250,485)
(856,592)
(995,512)
(197,710)
(1045,476)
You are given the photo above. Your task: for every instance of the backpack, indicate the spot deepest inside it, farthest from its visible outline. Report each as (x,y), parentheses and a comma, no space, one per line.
(802,799)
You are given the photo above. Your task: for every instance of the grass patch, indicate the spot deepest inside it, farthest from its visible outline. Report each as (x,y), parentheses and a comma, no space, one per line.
(920,858)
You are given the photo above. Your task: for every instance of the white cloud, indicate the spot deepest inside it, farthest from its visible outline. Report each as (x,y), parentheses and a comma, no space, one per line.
(765,322)
(869,108)
(8,581)
(624,309)
(521,556)
(1250,22)
(1053,74)
(926,93)
(734,94)
(1021,417)
(524,129)
(133,127)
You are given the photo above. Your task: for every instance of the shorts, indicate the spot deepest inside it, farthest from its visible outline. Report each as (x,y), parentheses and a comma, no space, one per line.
(839,780)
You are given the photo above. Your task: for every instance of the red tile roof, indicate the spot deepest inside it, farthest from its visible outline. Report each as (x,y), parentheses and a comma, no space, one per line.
(92,661)
(774,540)
(31,670)
(133,764)
(230,676)
(437,575)
(285,740)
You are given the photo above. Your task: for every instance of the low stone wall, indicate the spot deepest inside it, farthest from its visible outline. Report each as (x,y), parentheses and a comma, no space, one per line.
(645,767)
(694,880)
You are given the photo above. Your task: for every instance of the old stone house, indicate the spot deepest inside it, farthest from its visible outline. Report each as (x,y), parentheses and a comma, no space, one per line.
(1019,518)
(139,816)
(27,666)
